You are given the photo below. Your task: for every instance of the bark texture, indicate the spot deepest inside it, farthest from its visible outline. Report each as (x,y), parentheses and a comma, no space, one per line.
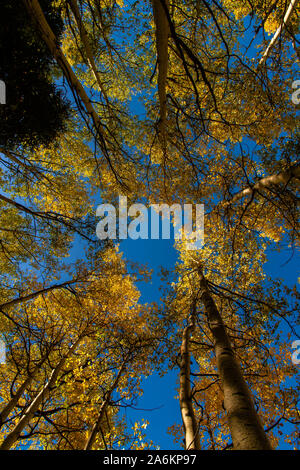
(245,426)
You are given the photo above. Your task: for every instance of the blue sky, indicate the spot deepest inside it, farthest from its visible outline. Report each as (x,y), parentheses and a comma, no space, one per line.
(159,404)
(159,393)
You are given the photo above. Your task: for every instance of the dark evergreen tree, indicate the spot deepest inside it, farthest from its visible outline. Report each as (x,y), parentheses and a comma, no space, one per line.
(36,109)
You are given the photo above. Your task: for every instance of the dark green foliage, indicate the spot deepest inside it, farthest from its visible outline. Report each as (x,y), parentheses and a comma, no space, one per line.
(35,109)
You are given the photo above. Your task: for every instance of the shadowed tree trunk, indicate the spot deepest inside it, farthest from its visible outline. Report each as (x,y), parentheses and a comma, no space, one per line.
(85,41)
(33,295)
(13,436)
(38,18)
(8,408)
(97,426)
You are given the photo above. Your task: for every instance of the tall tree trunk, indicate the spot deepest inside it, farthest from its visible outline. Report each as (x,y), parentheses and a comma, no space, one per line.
(14,400)
(278,31)
(245,426)
(96,428)
(191,430)
(281,178)
(8,408)
(13,436)
(38,17)
(85,41)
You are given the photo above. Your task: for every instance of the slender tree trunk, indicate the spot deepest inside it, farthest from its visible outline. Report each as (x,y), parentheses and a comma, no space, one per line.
(5,412)
(278,32)
(13,436)
(14,400)
(282,178)
(38,17)
(85,41)
(191,431)
(246,428)
(56,217)
(33,295)
(12,156)
(96,428)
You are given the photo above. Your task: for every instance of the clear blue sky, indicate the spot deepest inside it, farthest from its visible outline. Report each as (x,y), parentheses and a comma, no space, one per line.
(160,392)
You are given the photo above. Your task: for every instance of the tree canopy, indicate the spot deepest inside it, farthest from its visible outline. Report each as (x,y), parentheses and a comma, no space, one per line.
(164,102)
